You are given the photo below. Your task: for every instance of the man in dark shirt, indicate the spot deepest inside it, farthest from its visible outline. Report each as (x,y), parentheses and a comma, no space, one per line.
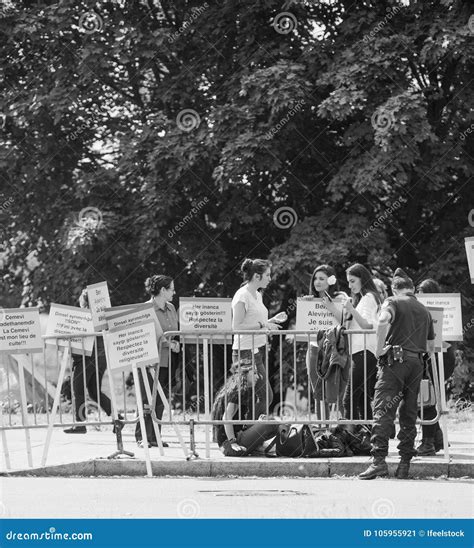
(404,333)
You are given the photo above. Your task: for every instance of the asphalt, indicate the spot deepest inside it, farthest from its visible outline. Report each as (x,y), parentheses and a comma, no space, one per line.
(86,455)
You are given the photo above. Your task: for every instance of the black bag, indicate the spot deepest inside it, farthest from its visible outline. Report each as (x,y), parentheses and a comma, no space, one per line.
(295,440)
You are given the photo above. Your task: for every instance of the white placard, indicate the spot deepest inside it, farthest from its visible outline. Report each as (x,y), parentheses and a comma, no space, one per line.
(206,314)
(437,317)
(469,243)
(115,310)
(69,320)
(452,316)
(144,312)
(20,331)
(132,345)
(99,299)
(312,315)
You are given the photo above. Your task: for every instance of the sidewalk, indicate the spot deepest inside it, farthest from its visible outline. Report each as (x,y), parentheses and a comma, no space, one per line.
(86,455)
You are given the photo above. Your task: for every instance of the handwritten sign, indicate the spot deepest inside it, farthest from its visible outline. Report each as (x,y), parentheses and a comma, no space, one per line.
(437,317)
(312,315)
(69,320)
(141,313)
(201,314)
(99,300)
(452,316)
(20,331)
(131,345)
(469,243)
(114,310)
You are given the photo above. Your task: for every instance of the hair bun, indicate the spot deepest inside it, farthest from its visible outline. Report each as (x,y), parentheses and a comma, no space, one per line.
(246,265)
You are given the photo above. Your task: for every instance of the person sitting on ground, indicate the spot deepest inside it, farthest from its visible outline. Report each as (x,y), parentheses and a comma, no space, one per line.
(239,399)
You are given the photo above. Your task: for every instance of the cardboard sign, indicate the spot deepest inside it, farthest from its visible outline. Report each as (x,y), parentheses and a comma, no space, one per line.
(437,316)
(114,310)
(201,314)
(469,243)
(452,316)
(132,345)
(312,315)
(69,320)
(144,312)
(20,331)
(99,299)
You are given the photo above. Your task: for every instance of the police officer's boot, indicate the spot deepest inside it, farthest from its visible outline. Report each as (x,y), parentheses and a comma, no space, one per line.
(378,469)
(426,448)
(402,469)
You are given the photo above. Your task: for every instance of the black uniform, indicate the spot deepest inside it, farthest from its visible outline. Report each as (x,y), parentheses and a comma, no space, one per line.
(398,385)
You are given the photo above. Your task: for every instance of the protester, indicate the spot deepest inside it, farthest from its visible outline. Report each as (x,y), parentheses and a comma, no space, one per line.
(234,401)
(404,334)
(381,288)
(364,310)
(86,373)
(161,289)
(323,285)
(250,314)
(432,435)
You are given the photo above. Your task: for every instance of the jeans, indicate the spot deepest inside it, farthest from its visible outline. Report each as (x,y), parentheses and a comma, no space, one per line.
(262,386)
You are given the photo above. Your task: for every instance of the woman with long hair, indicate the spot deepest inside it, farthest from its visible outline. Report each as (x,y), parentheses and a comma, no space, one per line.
(161,291)
(323,285)
(364,309)
(250,314)
(234,401)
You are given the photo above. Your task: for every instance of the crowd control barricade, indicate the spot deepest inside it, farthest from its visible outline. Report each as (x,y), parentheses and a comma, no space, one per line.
(35,387)
(205,363)
(39,393)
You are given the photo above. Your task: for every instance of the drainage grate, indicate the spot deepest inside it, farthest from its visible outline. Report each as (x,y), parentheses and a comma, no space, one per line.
(253,493)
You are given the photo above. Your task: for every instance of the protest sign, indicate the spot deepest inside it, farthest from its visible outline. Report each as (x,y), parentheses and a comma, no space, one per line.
(313,315)
(437,316)
(99,300)
(469,243)
(131,345)
(144,312)
(452,316)
(200,314)
(20,331)
(69,320)
(114,310)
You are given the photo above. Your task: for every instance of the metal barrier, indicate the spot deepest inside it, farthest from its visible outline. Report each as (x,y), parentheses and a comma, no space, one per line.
(207,356)
(205,344)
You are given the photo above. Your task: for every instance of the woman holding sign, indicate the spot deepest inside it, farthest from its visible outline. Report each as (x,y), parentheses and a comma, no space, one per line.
(323,285)
(161,290)
(250,314)
(364,310)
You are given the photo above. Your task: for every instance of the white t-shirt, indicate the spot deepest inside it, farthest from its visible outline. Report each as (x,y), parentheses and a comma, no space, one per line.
(255,311)
(369,310)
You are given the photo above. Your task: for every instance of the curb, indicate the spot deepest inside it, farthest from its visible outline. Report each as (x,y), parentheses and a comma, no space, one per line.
(290,468)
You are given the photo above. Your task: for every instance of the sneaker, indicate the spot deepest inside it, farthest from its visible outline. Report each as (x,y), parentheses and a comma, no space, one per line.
(76,430)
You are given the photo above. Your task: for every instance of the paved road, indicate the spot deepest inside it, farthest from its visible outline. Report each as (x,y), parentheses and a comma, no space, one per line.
(238,497)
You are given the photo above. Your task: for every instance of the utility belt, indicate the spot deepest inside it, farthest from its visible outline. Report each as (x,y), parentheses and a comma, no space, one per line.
(397,354)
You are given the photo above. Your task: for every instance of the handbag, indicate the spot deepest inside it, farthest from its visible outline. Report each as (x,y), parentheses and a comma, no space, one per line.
(295,441)
(426,395)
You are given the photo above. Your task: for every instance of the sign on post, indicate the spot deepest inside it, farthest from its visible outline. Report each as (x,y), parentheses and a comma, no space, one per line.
(139,313)
(201,314)
(69,320)
(131,345)
(312,315)
(20,331)
(114,310)
(469,243)
(99,299)
(452,316)
(437,317)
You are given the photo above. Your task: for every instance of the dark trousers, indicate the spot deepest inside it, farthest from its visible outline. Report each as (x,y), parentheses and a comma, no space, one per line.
(163,377)
(396,386)
(362,393)
(255,435)
(91,380)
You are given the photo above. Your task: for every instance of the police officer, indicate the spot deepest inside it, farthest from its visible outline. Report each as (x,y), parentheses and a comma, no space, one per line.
(404,333)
